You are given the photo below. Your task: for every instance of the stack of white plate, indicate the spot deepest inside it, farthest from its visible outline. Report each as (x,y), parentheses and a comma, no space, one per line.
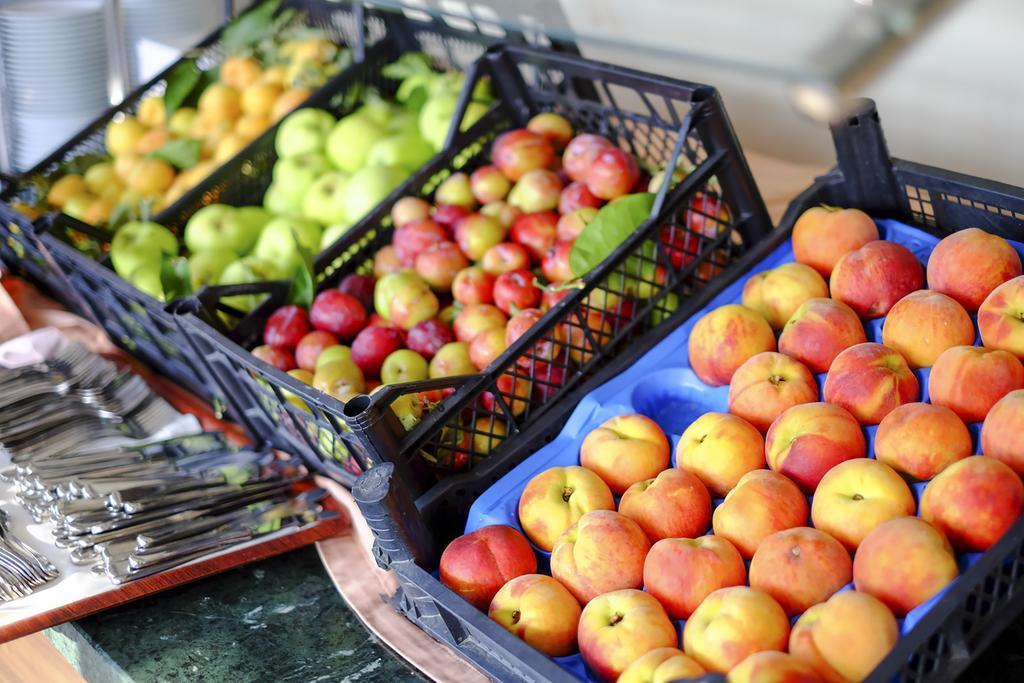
(179,25)
(55,62)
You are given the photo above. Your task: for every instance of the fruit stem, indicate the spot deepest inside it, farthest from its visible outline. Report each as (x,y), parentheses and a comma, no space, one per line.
(616,618)
(515,616)
(567,493)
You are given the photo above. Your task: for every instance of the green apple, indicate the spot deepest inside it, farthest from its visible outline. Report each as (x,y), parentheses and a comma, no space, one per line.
(403,365)
(404,121)
(333,353)
(147,279)
(333,233)
(255,217)
(342,379)
(280,202)
(437,113)
(368,187)
(404,299)
(405,150)
(219,226)
(296,174)
(350,141)
(205,267)
(379,110)
(303,131)
(324,202)
(277,243)
(244,271)
(139,242)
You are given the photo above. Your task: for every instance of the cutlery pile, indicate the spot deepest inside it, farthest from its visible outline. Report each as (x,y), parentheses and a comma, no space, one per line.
(80,436)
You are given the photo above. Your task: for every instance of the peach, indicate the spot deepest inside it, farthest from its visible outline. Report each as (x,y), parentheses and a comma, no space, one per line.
(873,278)
(777,293)
(618,628)
(824,234)
(1000,435)
(818,331)
(732,624)
(904,562)
(846,637)
(762,503)
(624,450)
(681,572)
(675,504)
(766,385)
(971,379)
(856,496)
(870,380)
(971,263)
(1001,318)
(724,339)
(923,324)
(770,666)
(720,448)
(921,440)
(973,502)
(661,666)
(602,552)
(800,567)
(808,440)
(555,499)
(539,611)
(477,564)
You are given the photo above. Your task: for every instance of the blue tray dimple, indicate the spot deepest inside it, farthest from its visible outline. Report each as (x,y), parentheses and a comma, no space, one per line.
(662,386)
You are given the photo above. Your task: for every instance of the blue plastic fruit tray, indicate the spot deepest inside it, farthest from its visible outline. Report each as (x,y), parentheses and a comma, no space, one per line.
(662,386)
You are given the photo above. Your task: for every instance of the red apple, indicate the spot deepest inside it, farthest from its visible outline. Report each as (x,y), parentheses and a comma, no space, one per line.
(414,238)
(515,291)
(476,233)
(408,209)
(361,287)
(537,190)
(518,152)
(473,285)
(547,348)
(278,356)
(474,319)
(487,346)
(708,214)
(682,245)
(555,264)
(449,214)
(577,196)
(489,184)
(439,265)
(386,261)
(503,212)
(286,326)
(571,224)
(580,154)
(372,345)
(427,336)
(535,231)
(553,127)
(309,347)
(505,257)
(612,174)
(455,191)
(337,313)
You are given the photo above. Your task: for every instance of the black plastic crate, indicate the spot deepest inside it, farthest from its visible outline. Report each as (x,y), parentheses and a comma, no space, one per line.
(134,319)
(411,530)
(659,120)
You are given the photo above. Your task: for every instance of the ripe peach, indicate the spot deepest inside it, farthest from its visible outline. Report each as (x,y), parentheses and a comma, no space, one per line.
(555,499)
(732,624)
(824,234)
(846,637)
(661,666)
(921,440)
(971,379)
(766,385)
(602,552)
(876,276)
(724,339)
(808,440)
(539,611)
(777,293)
(762,503)
(770,666)
(720,448)
(674,504)
(856,496)
(625,449)
(618,628)
(923,324)
(870,380)
(800,567)
(681,572)
(904,562)
(973,502)
(818,331)
(969,264)
(1000,435)
(476,565)
(1001,318)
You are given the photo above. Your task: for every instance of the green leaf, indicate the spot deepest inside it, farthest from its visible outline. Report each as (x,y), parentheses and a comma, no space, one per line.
(122,213)
(181,154)
(175,277)
(609,228)
(302,289)
(180,84)
(407,65)
(249,28)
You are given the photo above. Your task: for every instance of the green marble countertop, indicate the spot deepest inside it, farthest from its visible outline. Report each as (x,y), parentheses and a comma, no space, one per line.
(282,620)
(277,620)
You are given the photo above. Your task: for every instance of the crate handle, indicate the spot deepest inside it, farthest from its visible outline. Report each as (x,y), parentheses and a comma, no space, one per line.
(863,159)
(383,498)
